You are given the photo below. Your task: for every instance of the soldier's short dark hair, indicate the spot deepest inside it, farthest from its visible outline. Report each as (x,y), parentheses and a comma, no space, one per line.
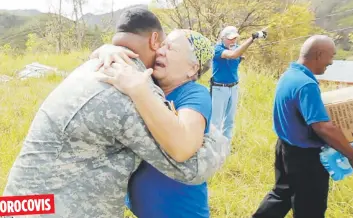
(138,19)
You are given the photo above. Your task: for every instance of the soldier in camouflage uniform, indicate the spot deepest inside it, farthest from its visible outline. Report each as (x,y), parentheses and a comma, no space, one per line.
(87,139)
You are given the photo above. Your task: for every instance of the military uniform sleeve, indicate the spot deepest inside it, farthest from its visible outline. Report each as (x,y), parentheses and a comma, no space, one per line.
(212,155)
(209,158)
(124,124)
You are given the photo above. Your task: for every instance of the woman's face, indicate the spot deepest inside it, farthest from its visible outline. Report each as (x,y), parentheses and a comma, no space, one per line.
(174,59)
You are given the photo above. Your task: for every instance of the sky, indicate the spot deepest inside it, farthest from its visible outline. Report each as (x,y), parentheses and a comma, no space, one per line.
(93,6)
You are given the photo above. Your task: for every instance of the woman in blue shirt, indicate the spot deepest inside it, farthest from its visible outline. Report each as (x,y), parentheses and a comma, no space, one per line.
(183,57)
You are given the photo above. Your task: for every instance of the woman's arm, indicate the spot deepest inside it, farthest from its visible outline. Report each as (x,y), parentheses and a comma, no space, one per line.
(179,135)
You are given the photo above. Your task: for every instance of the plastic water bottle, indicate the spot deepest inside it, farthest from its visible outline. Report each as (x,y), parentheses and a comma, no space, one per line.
(127,201)
(335,163)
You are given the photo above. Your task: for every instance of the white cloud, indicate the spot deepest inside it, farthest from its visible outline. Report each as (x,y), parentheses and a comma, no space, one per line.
(93,6)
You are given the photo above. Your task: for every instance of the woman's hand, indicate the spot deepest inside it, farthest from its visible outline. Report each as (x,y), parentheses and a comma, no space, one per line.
(109,54)
(126,78)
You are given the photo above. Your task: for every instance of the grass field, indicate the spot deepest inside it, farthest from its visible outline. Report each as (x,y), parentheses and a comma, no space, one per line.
(235,191)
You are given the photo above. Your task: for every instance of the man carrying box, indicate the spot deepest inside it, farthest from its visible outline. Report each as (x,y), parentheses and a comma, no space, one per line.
(303,126)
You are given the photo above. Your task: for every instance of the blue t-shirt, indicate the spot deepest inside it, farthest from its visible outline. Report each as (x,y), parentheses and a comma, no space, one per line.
(224,70)
(154,195)
(298,104)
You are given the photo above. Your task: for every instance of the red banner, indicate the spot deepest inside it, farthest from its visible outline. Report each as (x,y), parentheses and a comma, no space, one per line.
(27,205)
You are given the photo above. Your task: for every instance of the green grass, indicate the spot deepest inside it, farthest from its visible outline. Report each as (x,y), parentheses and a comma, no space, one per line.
(10,65)
(19,101)
(235,191)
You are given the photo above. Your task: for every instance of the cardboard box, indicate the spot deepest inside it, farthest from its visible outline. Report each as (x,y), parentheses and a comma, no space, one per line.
(339,105)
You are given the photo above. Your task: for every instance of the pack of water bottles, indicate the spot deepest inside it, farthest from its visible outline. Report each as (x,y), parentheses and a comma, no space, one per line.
(335,163)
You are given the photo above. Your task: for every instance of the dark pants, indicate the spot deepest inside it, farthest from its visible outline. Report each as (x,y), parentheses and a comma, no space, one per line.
(302,184)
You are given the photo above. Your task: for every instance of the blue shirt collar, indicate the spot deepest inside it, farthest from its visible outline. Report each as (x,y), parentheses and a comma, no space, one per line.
(304,69)
(223,46)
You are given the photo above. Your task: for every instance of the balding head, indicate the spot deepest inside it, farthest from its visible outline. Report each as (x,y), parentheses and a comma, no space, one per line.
(316,44)
(317,53)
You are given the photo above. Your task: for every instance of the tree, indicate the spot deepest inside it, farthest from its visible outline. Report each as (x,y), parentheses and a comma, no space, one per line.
(79,22)
(6,49)
(55,25)
(209,17)
(35,44)
(60,29)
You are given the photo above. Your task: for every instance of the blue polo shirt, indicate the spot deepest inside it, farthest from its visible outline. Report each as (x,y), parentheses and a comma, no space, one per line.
(297,105)
(154,195)
(224,70)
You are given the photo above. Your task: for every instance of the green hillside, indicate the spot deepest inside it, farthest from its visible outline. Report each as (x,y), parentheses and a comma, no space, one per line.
(17,24)
(16,28)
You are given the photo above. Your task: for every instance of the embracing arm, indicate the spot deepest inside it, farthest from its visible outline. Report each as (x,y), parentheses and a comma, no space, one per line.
(128,128)
(124,123)
(180,136)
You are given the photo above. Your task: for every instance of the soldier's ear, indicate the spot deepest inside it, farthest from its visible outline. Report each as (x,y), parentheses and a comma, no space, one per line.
(155,41)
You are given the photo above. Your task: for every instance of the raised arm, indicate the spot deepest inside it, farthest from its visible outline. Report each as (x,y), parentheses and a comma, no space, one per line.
(239,51)
(233,54)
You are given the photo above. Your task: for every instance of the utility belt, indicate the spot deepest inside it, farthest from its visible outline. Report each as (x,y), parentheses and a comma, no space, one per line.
(224,85)
(213,83)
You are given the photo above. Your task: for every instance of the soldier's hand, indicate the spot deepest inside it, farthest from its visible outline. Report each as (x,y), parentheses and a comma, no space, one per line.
(109,54)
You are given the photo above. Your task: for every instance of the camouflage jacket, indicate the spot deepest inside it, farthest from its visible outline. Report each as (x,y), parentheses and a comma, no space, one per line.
(87,139)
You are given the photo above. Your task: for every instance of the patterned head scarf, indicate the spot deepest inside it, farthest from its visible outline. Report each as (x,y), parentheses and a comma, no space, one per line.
(202,47)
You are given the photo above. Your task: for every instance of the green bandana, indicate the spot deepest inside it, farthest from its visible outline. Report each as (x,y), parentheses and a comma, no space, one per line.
(203,48)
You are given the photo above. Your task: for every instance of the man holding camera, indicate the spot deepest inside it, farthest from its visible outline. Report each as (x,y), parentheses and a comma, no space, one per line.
(224,80)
